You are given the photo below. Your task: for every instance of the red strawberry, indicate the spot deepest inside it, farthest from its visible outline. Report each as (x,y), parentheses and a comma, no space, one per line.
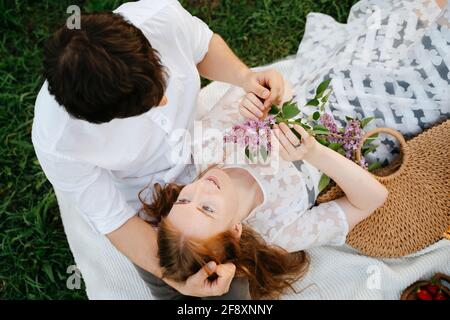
(432,288)
(423,294)
(440,296)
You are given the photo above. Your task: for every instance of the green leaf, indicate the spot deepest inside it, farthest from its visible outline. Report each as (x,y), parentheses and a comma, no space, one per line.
(365,121)
(367,143)
(264,153)
(304,125)
(274,110)
(374,166)
(334,146)
(279,120)
(319,132)
(322,87)
(370,148)
(322,141)
(313,102)
(249,155)
(370,139)
(290,110)
(323,182)
(341,151)
(348,118)
(316,115)
(320,127)
(325,98)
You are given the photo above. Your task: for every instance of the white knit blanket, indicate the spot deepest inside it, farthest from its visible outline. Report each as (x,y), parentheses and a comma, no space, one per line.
(335,272)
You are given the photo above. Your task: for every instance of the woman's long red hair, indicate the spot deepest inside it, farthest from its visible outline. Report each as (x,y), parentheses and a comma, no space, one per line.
(269,269)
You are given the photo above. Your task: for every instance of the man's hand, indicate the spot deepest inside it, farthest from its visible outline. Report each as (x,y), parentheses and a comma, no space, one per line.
(198,284)
(263,89)
(221,64)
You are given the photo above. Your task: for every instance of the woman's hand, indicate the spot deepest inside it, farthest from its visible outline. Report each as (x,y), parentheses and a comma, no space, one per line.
(198,284)
(263,89)
(291,148)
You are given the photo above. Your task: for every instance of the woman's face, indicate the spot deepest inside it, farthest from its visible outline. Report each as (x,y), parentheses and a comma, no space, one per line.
(206,207)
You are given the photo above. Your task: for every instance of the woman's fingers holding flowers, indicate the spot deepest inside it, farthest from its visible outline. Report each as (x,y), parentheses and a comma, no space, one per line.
(283,153)
(302,132)
(291,148)
(287,150)
(289,135)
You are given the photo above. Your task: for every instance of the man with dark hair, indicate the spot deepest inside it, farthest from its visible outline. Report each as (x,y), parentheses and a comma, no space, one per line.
(104,71)
(115,90)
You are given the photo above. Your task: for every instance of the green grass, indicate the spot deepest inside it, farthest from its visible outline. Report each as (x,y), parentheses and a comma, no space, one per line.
(34,254)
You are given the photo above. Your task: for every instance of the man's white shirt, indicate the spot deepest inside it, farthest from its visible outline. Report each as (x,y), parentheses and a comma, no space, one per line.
(102,167)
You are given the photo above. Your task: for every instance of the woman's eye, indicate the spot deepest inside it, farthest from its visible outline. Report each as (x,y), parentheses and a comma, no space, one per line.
(208,209)
(182,201)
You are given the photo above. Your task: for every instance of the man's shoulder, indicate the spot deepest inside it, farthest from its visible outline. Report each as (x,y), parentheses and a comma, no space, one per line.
(60,136)
(54,131)
(50,118)
(139,12)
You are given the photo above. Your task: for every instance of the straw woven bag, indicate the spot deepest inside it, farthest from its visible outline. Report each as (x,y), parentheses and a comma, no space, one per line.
(417,211)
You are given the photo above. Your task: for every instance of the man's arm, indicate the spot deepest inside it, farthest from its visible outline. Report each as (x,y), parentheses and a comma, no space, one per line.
(136,239)
(97,198)
(216,61)
(221,64)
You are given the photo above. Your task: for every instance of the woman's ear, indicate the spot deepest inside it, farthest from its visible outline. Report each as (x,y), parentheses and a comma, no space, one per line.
(236,229)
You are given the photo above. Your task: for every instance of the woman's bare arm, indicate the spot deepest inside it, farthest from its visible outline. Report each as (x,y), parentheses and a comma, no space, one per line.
(363,193)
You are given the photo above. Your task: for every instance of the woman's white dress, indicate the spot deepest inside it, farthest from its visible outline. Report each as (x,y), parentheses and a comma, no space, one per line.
(391,61)
(287,217)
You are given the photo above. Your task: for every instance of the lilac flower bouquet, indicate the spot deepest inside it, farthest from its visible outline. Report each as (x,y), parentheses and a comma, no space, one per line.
(254,135)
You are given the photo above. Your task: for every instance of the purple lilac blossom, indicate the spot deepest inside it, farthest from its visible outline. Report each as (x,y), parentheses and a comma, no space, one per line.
(327,121)
(252,134)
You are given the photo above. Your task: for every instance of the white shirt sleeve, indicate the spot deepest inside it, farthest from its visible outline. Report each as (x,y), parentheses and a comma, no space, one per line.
(92,190)
(170,28)
(197,32)
(325,224)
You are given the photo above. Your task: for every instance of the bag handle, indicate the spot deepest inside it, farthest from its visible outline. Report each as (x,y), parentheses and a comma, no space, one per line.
(447,235)
(396,134)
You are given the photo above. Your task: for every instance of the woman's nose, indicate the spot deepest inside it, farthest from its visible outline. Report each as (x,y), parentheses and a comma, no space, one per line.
(205,186)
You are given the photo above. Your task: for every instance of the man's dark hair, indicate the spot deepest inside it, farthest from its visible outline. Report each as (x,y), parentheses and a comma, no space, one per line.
(106,69)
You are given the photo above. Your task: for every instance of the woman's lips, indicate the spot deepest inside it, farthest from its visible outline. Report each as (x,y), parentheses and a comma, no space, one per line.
(214,180)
